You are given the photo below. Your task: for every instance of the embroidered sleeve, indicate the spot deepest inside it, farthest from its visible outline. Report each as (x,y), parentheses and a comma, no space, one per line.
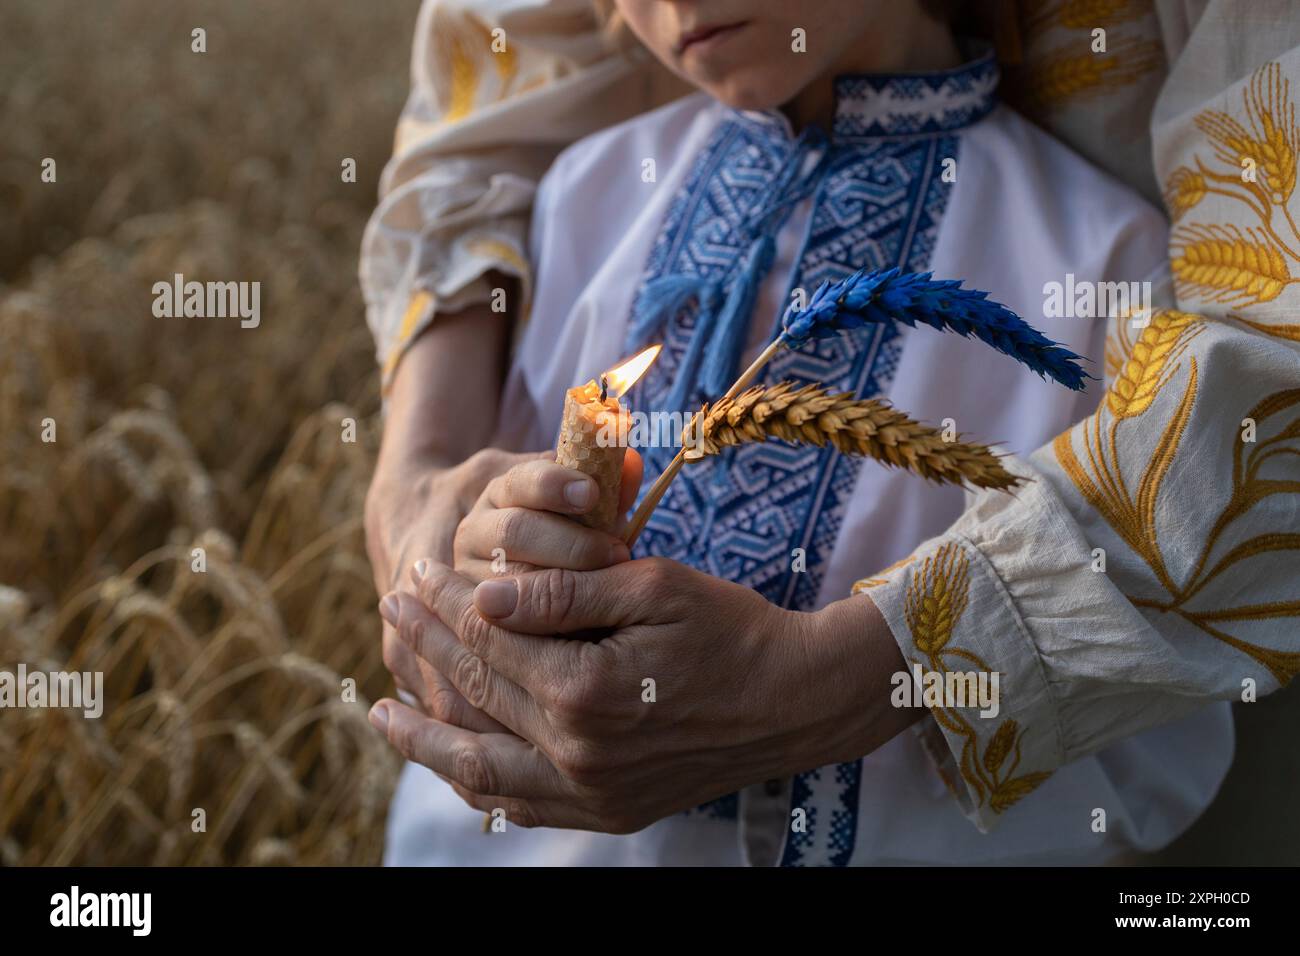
(496,91)
(1089,73)
(1152,563)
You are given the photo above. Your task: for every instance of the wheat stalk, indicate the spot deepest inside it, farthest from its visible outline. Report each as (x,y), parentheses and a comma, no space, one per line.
(867,427)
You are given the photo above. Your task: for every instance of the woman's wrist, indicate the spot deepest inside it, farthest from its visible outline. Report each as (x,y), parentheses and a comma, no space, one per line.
(404,457)
(855,659)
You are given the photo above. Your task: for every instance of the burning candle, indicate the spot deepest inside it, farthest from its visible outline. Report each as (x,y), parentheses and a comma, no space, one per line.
(593,434)
(593,440)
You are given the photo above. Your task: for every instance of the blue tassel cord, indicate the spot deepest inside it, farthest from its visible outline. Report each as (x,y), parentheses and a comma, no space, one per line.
(723,311)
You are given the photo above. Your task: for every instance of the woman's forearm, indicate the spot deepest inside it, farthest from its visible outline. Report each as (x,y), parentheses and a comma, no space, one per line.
(445,393)
(442,409)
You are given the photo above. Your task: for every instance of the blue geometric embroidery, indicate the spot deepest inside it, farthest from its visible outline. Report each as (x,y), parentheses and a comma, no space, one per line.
(801,798)
(723,808)
(844,819)
(877,203)
(906,104)
(741,517)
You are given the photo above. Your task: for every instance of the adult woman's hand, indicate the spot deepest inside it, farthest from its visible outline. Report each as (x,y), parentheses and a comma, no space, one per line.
(699,688)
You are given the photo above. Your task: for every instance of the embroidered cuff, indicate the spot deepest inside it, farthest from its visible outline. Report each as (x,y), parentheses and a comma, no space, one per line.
(995,733)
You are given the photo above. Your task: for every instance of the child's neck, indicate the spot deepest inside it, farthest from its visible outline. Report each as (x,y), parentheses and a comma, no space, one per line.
(915,44)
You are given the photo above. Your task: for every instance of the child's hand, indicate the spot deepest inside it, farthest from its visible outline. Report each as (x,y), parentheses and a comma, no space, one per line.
(523,521)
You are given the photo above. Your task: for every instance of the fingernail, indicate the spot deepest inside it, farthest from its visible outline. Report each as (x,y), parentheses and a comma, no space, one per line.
(379,718)
(388,608)
(580,494)
(618,553)
(421,568)
(496,598)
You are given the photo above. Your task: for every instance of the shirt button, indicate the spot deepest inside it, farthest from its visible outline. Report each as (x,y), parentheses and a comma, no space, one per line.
(773,788)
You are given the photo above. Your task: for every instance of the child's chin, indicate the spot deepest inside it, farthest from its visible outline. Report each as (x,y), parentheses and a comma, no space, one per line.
(745,97)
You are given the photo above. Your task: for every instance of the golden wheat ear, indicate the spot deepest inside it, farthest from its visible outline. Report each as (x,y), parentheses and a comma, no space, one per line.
(868,427)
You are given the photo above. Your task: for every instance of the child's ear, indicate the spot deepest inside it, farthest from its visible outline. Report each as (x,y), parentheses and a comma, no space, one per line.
(633,472)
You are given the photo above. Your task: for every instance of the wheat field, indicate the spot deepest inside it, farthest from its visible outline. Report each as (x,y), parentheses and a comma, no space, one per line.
(224,689)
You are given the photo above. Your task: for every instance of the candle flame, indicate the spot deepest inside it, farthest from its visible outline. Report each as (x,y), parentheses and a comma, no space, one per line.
(623,377)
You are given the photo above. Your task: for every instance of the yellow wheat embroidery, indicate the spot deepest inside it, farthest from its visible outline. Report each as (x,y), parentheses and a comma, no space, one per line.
(457,45)
(937,596)
(867,583)
(463,44)
(1062,74)
(1269,142)
(1149,368)
(1251,484)
(504,58)
(1103,484)
(1083,15)
(990,775)
(1118,348)
(1143,374)
(1088,14)
(502,252)
(1185,189)
(1289,332)
(1257,152)
(1221,264)
(1006,789)
(420,306)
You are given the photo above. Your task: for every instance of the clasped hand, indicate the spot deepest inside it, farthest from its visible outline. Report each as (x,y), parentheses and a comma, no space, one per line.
(696,687)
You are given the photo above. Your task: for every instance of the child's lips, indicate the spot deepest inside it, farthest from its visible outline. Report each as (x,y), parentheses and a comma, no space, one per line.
(705,34)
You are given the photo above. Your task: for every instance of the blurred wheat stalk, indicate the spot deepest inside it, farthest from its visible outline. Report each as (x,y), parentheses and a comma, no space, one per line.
(223,688)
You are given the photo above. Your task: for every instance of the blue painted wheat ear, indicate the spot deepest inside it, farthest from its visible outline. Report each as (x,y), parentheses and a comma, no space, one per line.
(911,298)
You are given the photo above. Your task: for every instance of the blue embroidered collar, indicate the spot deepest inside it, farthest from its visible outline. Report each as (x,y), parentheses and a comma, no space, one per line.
(872,105)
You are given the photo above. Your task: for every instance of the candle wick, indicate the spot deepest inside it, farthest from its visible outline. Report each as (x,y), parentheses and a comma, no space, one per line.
(604,387)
